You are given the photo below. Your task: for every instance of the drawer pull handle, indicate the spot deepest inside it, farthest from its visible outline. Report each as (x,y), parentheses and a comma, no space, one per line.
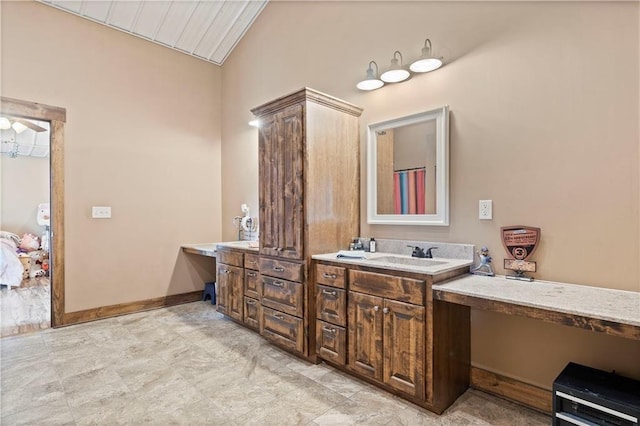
(252,274)
(376,308)
(330,276)
(385,310)
(278,316)
(251,302)
(330,330)
(330,292)
(278,269)
(277,284)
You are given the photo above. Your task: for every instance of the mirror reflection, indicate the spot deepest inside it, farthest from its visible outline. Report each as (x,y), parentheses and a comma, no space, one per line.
(408,170)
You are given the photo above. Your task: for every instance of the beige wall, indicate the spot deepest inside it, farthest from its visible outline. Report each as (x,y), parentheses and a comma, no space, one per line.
(24,184)
(142,135)
(544,122)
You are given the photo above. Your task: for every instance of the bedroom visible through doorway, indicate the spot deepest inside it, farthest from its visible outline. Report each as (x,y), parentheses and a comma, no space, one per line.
(25,293)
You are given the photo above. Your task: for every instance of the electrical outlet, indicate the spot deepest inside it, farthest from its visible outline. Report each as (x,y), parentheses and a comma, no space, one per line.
(485,210)
(101,212)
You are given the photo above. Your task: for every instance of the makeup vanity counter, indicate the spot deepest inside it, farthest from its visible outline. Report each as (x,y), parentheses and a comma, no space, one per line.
(210,249)
(614,312)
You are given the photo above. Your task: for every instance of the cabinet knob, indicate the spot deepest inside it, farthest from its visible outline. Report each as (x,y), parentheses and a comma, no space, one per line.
(376,308)
(252,274)
(330,276)
(329,292)
(278,316)
(251,302)
(277,284)
(385,310)
(278,269)
(330,330)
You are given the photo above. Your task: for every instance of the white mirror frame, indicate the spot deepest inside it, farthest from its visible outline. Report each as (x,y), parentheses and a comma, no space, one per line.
(441,217)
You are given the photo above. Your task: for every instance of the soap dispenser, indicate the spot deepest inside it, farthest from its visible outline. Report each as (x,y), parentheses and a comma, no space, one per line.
(372,245)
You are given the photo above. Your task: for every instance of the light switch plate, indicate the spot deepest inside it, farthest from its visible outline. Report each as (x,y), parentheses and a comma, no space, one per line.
(101,212)
(485,210)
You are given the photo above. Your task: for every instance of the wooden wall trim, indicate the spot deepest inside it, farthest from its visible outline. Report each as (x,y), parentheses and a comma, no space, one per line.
(56,157)
(34,110)
(129,308)
(523,393)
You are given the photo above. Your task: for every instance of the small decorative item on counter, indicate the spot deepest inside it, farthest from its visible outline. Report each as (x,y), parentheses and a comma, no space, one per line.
(484,268)
(520,242)
(372,245)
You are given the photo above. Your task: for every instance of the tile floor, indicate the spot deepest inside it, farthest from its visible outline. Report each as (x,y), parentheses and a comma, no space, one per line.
(188,365)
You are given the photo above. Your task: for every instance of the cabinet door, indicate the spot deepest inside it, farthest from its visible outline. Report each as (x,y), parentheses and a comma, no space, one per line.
(365,334)
(281,183)
(404,347)
(235,288)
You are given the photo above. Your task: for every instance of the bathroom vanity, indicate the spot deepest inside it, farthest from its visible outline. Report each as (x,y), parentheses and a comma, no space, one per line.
(376,319)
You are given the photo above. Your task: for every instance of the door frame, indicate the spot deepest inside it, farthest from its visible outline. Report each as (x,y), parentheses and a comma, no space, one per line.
(57,117)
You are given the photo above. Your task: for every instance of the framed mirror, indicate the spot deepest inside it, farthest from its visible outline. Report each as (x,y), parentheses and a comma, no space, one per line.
(408,170)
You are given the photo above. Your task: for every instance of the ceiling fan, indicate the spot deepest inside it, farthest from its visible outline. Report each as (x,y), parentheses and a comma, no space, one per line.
(19,124)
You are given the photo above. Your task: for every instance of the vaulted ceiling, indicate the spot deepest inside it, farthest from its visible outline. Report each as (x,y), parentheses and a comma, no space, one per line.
(207,29)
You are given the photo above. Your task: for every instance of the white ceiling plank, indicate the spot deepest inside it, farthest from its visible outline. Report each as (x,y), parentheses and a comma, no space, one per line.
(219,28)
(97,10)
(202,18)
(245,21)
(123,14)
(174,22)
(151,16)
(72,6)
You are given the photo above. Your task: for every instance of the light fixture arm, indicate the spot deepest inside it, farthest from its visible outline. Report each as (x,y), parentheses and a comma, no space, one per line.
(395,60)
(426,50)
(371,69)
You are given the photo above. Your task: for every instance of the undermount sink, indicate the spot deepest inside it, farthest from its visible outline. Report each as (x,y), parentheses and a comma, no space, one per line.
(414,261)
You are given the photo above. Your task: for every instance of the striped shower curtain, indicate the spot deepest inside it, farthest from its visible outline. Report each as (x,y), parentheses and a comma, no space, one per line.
(409,191)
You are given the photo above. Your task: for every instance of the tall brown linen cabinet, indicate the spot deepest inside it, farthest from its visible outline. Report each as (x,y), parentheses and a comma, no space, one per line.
(309,189)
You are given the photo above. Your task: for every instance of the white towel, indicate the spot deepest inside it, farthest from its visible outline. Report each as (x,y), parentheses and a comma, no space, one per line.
(351,254)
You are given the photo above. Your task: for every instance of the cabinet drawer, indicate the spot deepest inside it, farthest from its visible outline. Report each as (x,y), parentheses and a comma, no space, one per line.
(331,305)
(282,269)
(285,296)
(388,286)
(230,257)
(330,275)
(252,261)
(283,329)
(331,342)
(252,315)
(252,284)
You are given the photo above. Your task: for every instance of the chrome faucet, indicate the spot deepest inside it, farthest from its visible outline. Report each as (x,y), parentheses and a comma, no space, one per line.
(419,252)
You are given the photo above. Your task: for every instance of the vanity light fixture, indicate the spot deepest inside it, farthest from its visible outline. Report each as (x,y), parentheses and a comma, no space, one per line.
(427,61)
(396,73)
(371,82)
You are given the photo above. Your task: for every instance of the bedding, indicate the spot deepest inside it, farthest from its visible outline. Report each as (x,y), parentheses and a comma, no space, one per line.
(11,268)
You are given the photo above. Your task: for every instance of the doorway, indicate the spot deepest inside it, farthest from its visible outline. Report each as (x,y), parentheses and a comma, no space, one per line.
(56,117)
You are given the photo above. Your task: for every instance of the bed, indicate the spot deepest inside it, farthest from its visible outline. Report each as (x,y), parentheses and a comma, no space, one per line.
(11,268)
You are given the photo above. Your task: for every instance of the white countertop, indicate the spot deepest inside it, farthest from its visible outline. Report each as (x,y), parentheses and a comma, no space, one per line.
(209,249)
(369,260)
(601,303)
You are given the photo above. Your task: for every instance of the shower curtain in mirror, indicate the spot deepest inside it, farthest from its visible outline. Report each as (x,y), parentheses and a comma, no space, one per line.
(409,191)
